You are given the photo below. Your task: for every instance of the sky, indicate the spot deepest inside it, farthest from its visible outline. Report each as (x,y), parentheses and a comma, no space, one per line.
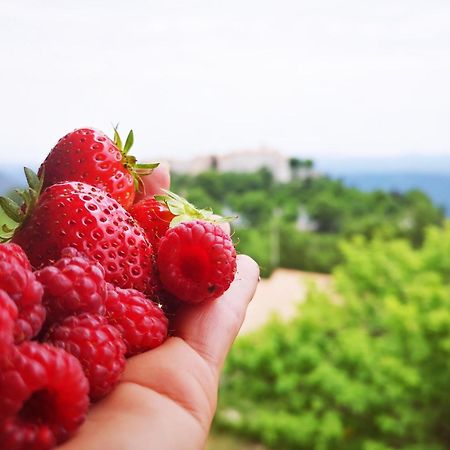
(316,78)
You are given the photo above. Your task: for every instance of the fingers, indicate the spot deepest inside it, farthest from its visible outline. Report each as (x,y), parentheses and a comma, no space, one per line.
(154,183)
(210,328)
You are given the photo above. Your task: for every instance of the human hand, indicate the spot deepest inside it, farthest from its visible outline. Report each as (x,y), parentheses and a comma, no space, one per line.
(167,397)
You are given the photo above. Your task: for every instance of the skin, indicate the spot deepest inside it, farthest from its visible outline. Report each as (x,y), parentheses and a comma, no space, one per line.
(167,397)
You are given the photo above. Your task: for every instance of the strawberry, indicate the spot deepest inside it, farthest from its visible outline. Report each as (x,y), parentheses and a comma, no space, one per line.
(89,156)
(78,215)
(153,216)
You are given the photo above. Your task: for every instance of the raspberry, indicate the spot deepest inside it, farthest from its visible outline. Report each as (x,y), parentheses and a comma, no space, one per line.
(155,290)
(73,285)
(8,316)
(19,282)
(14,251)
(196,261)
(142,323)
(97,345)
(43,398)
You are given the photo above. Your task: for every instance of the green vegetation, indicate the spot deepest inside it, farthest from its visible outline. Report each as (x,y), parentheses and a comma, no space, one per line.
(367,369)
(300,224)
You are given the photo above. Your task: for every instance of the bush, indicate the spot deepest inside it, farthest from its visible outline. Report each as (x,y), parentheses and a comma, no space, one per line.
(366,369)
(257,244)
(308,251)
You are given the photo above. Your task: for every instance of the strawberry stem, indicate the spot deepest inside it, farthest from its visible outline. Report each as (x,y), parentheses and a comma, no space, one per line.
(129,161)
(185,211)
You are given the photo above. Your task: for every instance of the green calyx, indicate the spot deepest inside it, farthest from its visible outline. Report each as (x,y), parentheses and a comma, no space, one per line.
(129,161)
(185,211)
(17,212)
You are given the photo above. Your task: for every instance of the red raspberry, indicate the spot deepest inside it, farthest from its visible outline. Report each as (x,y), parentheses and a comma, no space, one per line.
(8,316)
(142,323)
(73,285)
(155,290)
(17,279)
(43,398)
(154,217)
(97,345)
(196,261)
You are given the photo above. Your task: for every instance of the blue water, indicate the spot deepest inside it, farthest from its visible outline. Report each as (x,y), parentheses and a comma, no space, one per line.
(437,186)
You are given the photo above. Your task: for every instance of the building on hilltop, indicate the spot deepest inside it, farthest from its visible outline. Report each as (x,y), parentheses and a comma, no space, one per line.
(253,160)
(192,166)
(245,161)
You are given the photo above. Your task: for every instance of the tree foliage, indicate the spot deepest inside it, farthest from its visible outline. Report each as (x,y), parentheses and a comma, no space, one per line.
(272,211)
(367,368)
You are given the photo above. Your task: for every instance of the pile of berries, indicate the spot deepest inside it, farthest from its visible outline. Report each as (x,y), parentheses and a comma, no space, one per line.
(89,278)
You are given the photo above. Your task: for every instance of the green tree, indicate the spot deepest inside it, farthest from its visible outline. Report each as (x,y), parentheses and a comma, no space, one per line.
(367,368)
(254,206)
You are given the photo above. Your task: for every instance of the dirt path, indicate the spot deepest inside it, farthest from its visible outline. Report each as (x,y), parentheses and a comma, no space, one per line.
(280,294)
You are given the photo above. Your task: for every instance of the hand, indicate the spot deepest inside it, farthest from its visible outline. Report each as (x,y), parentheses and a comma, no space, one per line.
(167,397)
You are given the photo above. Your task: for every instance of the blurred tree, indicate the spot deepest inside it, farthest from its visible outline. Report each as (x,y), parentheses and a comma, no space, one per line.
(365,369)
(255,206)
(340,212)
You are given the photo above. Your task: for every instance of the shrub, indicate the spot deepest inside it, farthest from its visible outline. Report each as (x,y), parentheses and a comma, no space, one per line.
(366,369)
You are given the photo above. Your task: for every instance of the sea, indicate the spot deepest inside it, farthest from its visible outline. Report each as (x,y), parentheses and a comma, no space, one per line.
(436,186)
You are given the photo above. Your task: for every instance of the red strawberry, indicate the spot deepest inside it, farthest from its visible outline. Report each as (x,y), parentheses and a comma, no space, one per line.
(154,217)
(81,216)
(88,155)
(196,261)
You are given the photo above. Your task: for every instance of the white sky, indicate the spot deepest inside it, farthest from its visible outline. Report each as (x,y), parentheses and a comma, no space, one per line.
(314,78)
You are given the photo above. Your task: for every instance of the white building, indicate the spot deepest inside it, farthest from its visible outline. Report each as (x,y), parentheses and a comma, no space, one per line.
(253,160)
(239,161)
(192,166)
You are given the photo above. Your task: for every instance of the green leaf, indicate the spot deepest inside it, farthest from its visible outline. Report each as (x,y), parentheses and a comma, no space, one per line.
(179,219)
(185,211)
(25,194)
(32,179)
(117,139)
(11,208)
(129,142)
(147,166)
(38,189)
(8,229)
